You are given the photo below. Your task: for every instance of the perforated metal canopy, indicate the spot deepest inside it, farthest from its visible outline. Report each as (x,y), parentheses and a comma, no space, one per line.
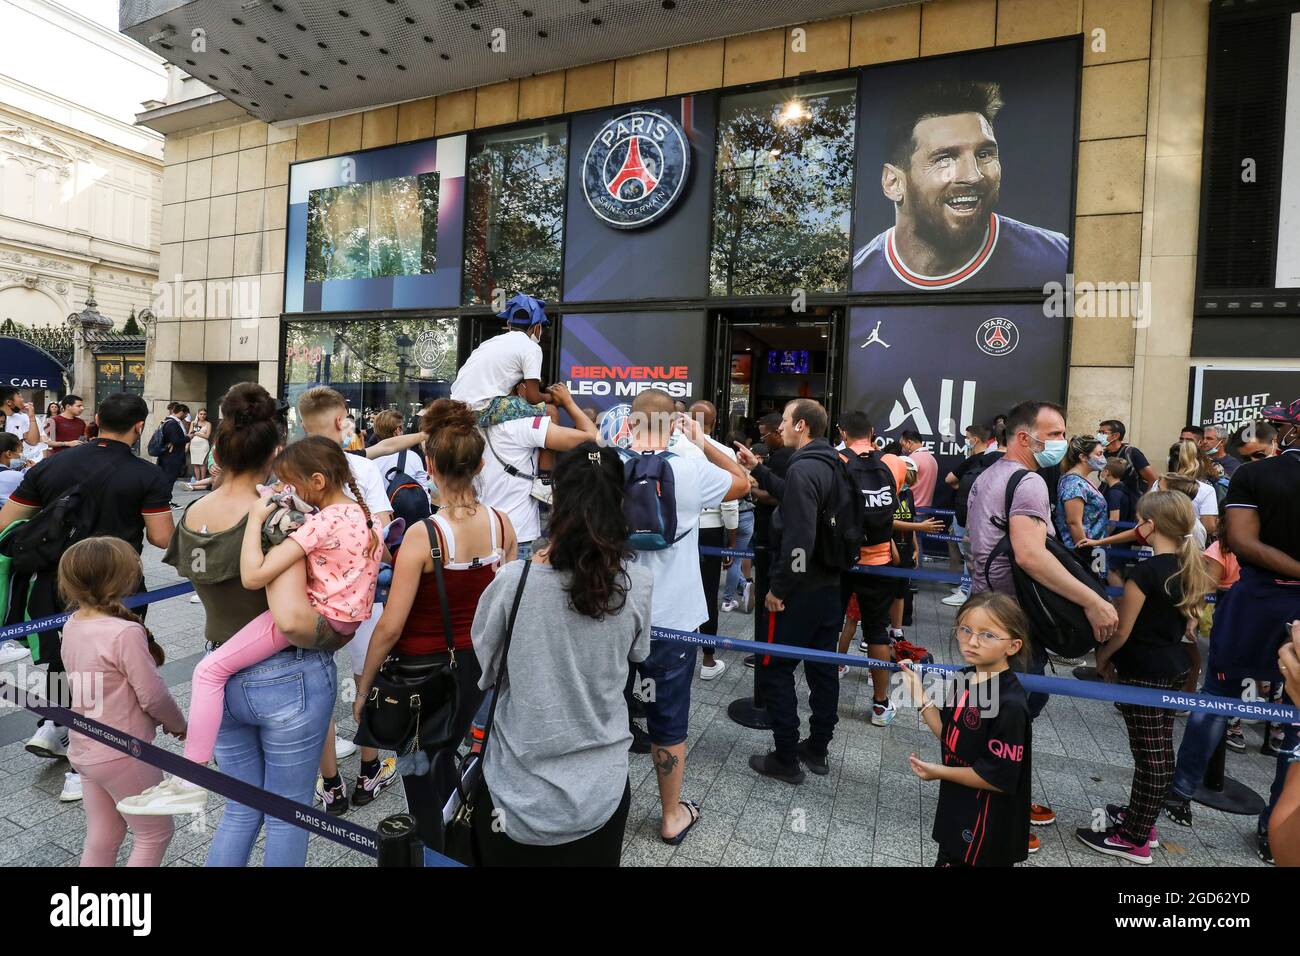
(287,59)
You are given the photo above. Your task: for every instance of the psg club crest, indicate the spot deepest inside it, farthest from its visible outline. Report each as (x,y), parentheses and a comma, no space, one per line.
(997,337)
(635,168)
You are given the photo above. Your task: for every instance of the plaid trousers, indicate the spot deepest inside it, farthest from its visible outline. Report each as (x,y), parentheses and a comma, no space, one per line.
(1151,740)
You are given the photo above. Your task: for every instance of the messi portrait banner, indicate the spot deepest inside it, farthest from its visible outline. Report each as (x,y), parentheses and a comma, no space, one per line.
(607,360)
(937,369)
(965,175)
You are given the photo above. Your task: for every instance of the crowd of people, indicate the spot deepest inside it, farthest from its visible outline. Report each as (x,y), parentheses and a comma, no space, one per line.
(535,557)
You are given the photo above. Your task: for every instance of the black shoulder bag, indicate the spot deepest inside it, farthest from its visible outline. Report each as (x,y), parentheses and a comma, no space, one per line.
(458,839)
(412,704)
(1056,622)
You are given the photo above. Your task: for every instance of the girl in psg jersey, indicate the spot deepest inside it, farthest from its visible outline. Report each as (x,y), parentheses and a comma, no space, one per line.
(982,722)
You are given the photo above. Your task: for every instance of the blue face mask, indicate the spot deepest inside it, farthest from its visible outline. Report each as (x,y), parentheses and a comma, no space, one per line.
(1097,463)
(1053,452)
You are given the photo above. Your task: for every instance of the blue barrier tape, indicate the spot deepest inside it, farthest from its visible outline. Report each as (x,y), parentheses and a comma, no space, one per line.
(309,818)
(915,574)
(49,623)
(1091,690)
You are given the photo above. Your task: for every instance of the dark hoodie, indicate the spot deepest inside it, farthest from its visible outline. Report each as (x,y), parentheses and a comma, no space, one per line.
(803,493)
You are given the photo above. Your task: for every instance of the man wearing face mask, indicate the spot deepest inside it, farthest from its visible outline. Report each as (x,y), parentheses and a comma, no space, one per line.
(1212,443)
(1140,475)
(1035,440)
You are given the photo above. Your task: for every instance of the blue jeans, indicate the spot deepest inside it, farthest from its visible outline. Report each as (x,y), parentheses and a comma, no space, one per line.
(744,534)
(277,714)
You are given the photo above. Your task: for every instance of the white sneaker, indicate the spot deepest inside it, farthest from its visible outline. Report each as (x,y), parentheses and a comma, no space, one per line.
(11,652)
(955,599)
(172,797)
(194,599)
(729,605)
(843,671)
(343,749)
(883,716)
(747,597)
(710,673)
(71,788)
(50,741)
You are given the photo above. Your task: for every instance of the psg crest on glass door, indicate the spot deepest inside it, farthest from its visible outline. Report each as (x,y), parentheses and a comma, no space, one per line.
(635,168)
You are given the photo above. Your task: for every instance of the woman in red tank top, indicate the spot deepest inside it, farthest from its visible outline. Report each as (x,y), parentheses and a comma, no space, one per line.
(475,541)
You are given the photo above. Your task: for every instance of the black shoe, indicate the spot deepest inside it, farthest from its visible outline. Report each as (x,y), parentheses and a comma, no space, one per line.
(750,659)
(818,763)
(368,787)
(335,798)
(769,766)
(1178,810)
(1263,851)
(640,741)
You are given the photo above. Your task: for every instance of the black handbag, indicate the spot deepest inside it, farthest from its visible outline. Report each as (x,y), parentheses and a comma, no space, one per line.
(412,706)
(458,839)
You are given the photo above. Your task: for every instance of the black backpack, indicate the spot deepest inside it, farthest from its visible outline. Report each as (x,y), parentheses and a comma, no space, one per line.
(872,477)
(967,482)
(156,445)
(841,521)
(408,497)
(37,546)
(650,501)
(1055,622)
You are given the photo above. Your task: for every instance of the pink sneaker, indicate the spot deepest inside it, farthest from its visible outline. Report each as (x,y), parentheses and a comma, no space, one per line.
(1116,814)
(1112,844)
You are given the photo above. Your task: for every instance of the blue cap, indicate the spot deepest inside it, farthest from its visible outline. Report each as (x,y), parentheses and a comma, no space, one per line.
(526,311)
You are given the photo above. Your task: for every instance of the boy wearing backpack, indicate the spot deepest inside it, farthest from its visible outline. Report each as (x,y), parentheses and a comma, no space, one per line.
(664,494)
(809,551)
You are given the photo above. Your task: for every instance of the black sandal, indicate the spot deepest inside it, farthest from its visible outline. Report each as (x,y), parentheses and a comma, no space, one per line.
(696,812)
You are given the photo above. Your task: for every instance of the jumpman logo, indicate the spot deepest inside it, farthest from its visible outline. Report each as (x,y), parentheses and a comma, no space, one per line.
(634,169)
(874,338)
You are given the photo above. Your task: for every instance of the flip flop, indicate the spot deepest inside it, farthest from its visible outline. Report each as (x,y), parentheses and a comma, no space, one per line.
(696,813)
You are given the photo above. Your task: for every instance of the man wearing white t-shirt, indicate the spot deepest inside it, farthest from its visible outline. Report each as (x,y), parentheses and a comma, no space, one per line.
(502,363)
(20,416)
(698,484)
(510,462)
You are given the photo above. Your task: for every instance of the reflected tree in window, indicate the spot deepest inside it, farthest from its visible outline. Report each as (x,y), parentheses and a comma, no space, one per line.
(364,230)
(514,213)
(783,191)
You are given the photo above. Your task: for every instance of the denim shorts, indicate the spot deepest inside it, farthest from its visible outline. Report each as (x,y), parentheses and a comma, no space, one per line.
(671,667)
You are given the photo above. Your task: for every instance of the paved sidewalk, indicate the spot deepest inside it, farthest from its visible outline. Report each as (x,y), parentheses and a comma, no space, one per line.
(869,810)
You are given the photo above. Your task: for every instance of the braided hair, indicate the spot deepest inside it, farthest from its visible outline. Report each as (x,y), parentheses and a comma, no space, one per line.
(97,573)
(318,455)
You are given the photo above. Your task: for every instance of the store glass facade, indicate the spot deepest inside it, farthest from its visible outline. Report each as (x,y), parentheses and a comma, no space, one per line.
(783,190)
(401,364)
(514,212)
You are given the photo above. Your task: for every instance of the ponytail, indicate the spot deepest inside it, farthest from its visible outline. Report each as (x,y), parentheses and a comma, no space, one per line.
(1173,516)
(97,573)
(365,510)
(318,455)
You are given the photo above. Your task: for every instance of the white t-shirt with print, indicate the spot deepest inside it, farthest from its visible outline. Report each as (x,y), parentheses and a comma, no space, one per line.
(414,467)
(370,482)
(496,367)
(1205,502)
(17,424)
(516,443)
(679,603)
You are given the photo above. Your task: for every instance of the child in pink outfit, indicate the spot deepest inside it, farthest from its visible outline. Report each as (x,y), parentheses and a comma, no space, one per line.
(107,655)
(342,554)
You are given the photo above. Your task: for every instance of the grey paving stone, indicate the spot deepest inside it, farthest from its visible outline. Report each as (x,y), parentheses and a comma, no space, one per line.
(848,844)
(742,854)
(760,824)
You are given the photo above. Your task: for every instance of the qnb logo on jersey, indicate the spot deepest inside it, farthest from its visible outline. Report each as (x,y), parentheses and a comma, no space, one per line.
(997,336)
(635,168)
(914,409)
(1013,752)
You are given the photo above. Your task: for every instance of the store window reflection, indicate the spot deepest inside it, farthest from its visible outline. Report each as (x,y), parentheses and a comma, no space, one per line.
(783,190)
(400,364)
(514,213)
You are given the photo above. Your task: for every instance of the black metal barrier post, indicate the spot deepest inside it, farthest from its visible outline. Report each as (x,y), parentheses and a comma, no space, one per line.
(1220,792)
(750,711)
(399,845)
